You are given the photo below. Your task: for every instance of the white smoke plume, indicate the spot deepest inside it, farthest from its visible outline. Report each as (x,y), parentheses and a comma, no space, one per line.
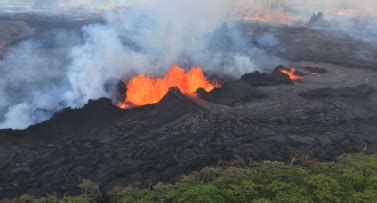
(148,39)
(144,37)
(31,82)
(149,36)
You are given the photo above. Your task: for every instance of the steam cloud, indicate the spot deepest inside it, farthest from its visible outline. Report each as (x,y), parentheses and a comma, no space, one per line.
(147,39)
(148,36)
(140,38)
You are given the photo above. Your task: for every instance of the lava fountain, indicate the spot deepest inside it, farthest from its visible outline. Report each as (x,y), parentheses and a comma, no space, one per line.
(142,89)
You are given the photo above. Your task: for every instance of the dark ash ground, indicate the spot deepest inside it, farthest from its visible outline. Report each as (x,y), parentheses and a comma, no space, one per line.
(332,111)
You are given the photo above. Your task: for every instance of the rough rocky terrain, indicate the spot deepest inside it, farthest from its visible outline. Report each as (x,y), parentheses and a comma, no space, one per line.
(331,111)
(180,134)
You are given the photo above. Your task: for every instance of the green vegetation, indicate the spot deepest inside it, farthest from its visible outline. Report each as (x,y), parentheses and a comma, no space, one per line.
(353,178)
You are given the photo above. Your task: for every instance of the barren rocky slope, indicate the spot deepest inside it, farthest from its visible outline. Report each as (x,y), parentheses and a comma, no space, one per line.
(158,142)
(332,111)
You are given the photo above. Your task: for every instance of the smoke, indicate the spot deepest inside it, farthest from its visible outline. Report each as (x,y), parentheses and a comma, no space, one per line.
(148,37)
(30,84)
(152,37)
(143,37)
(19,113)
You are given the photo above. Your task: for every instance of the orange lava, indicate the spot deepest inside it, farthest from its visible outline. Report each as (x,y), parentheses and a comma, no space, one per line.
(142,89)
(292,74)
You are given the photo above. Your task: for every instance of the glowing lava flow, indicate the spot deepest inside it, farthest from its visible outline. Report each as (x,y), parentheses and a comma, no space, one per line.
(292,74)
(142,90)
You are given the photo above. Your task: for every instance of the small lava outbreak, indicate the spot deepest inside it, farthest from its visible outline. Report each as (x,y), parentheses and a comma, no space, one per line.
(142,89)
(293,75)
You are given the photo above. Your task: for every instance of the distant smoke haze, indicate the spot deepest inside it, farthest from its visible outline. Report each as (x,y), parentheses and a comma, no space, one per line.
(340,7)
(355,18)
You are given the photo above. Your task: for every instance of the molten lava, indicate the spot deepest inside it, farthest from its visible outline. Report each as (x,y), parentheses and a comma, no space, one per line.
(142,90)
(293,75)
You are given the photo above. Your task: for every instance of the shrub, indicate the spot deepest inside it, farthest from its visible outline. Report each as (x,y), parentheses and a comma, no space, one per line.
(91,190)
(352,178)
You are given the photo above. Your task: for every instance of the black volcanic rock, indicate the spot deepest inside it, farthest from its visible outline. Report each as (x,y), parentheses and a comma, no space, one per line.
(99,141)
(318,20)
(358,92)
(114,147)
(264,79)
(231,93)
(159,142)
(244,90)
(315,69)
